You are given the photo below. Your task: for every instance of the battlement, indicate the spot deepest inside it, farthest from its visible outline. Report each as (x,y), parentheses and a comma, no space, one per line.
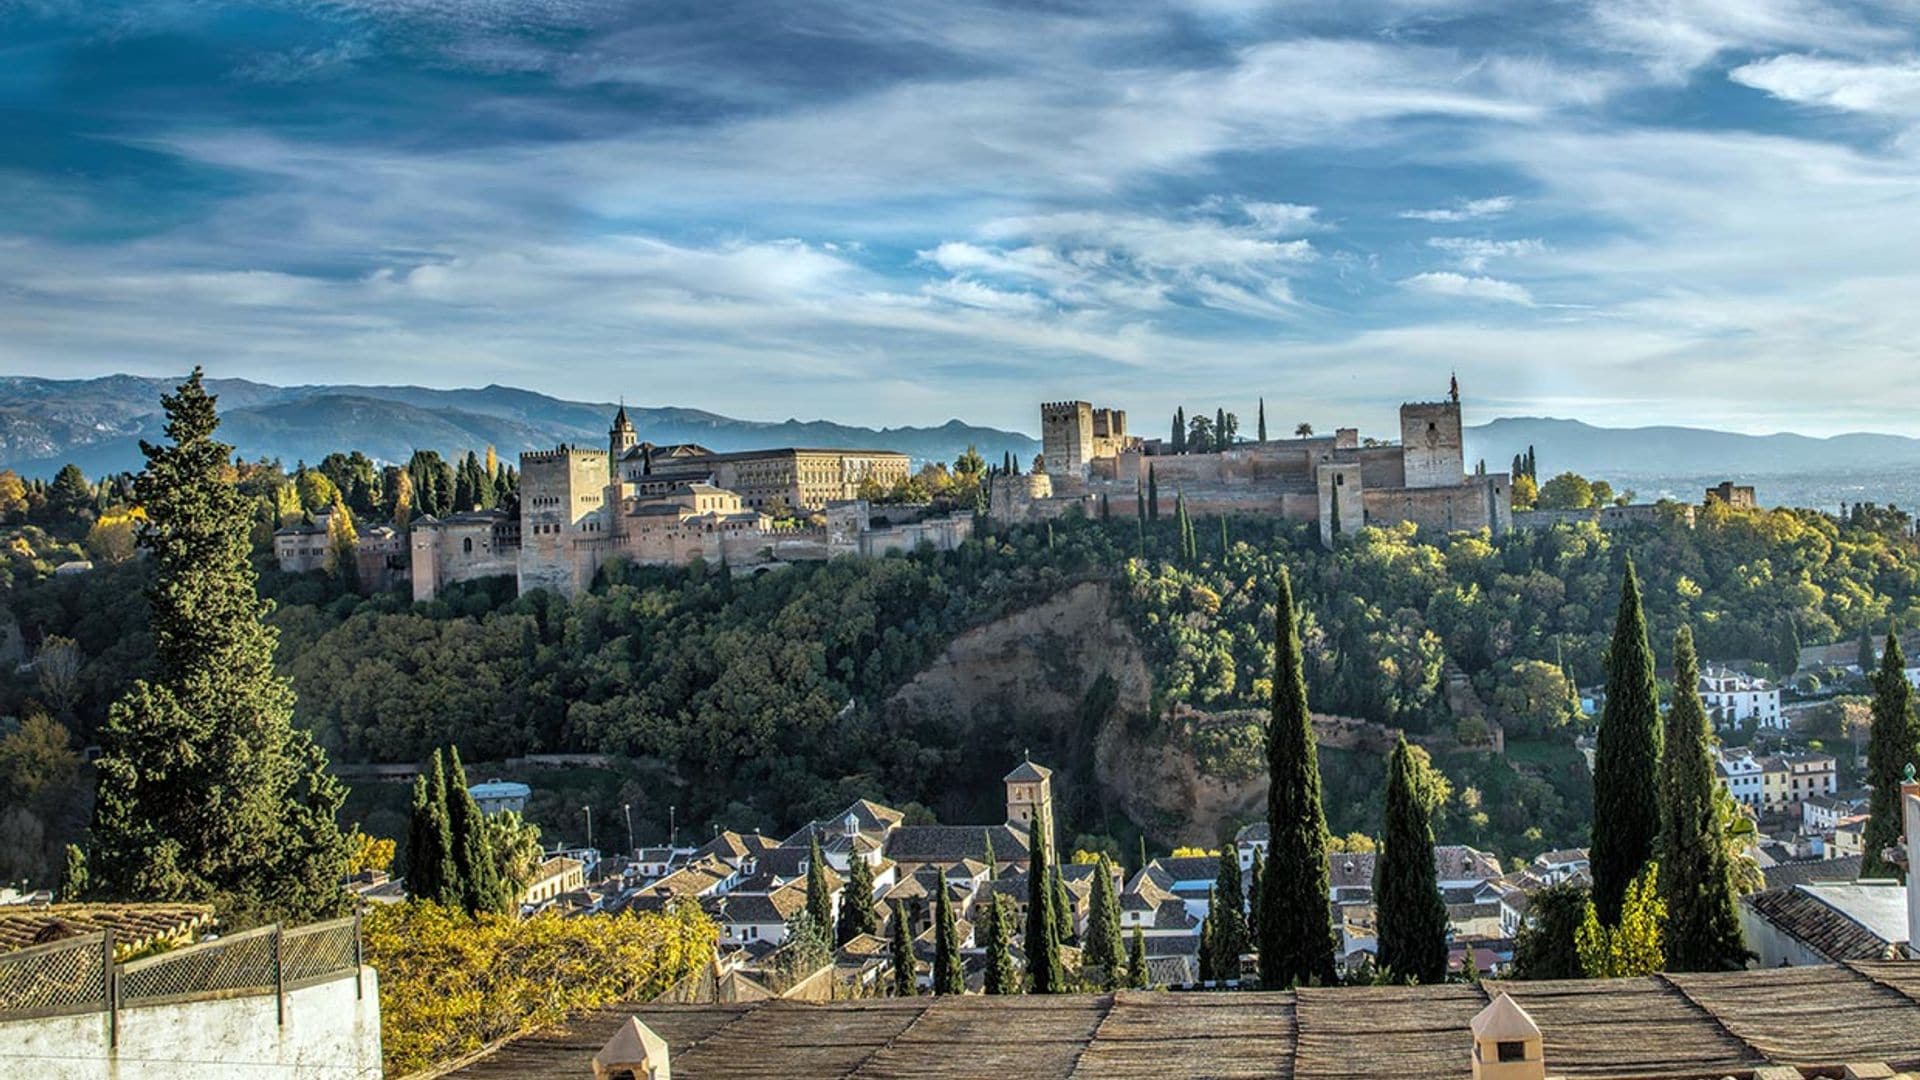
(559,453)
(1063,408)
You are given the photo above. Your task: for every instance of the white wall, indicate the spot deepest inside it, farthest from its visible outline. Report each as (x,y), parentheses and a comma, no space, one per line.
(329,1035)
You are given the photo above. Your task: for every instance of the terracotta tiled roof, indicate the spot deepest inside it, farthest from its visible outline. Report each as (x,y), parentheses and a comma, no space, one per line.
(1816,925)
(133,925)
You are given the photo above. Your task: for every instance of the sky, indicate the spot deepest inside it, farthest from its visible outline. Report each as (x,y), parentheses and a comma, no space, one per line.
(1625,211)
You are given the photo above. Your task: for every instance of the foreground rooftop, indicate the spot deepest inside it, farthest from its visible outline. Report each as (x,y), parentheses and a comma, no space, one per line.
(1619,1029)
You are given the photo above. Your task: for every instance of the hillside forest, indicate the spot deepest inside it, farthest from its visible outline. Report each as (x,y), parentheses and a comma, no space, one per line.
(759,702)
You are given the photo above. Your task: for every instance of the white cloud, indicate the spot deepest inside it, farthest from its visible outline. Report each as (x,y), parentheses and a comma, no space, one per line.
(1464,210)
(1891,88)
(1470,287)
(1673,38)
(1473,253)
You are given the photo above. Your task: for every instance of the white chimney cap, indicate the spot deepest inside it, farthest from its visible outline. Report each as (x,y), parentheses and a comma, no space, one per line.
(634,1048)
(1504,1020)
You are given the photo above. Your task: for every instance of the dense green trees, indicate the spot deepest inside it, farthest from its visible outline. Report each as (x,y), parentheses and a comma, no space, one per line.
(1545,947)
(431,874)
(206,790)
(1295,922)
(1696,882)
(1103,948)
(451,856)
(1412,916)
(1891,747)
(1626,810)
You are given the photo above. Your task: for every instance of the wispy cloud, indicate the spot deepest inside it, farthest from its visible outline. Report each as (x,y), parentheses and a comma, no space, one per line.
(1468,286)
(1892,87)
(1465,210)
(1474,253)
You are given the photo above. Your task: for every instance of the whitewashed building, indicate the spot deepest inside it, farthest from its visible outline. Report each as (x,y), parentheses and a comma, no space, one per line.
(1734,697)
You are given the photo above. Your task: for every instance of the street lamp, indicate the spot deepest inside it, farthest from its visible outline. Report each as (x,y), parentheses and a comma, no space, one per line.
(670,827)
(588,810)
(626,811)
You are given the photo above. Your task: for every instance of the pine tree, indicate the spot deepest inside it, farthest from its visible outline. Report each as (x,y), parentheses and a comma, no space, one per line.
(905,968)
(1626,803)
(431,871)
(206,790)
(1001,975)
(1890,749)
(1262,418)
(1231,938)
(949,975)
(1296,921)
(819,893)
(1703,926)
(1137,960)
(1041,944)
(480,886)
(856,904)
(1103,927)
(1412,915)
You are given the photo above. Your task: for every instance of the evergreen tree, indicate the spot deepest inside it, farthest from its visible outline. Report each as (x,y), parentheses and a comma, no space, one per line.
(1633,947)
(1180,431)
(1103,927)
(1890,749)
(206,790)
(1106,508)
(431,870)
(477,870)
(1254,886)
(1137,960)
(1333,515)
(1626,803)
(1406,892)
(1153,496)
(1001,975)
(1208,972)
(1864,656)
(1226,544)
(342,545)
(1062,908)
(1787,648)
(1041,944)
(1296,922)
(1220,439)
(856,904)
(819,893)
(1262,418)
(73,875)
(1696,881)
(1231,937)
(905,968)
(1545,947)
(949,975)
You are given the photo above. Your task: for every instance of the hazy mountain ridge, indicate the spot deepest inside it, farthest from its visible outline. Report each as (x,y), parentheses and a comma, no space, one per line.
(98,423)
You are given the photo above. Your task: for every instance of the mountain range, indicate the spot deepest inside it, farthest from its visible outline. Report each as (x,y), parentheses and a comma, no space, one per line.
(98,424)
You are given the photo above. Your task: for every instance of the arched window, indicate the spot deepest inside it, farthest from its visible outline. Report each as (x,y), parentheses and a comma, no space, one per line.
(466,545)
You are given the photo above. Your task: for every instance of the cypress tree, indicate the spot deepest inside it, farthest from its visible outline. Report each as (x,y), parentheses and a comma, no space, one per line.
(905,983)
(1864,656)
(1406,892)
(1788,644)
(1137,960)
(1890,749)
(1103,927)
(1106,508)
(1230,935)
(1263,420)
(856,904)
(1207,963)
(1254,887)
(206,790)
(1042,947)
(1180,431)
(1333,515)
(1296,920)
(819,893)
(1626,802)
(1696,881)
(479,875)
(1062,908)
(1153,496)
(1220,429)
(949,976)
(1225,543)
(1001,976)
(430,851)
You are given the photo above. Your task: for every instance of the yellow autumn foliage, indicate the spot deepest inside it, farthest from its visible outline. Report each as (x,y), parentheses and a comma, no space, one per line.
(451,983)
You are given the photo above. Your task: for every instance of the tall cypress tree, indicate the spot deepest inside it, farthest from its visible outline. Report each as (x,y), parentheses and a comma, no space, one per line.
(1180,430)
(1041,944)
(1296,920)
(949,975)
(1263,420)
(430,872)
(1220,428)
(1890,748)
(1254,887)
(1208,965)
(1696,881)
(1153,495)
(479,875)
(1137,960)
(1103,927)
(905,968)
(1406,892)
(206,790)
(1863,655)
(819,893)
(1062,908)
(856,904)
(1231,938)
(1626,803)
(1001,976)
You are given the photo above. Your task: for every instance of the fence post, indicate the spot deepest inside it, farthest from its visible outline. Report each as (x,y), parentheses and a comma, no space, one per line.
(110,983)
(279,976)
(359,956)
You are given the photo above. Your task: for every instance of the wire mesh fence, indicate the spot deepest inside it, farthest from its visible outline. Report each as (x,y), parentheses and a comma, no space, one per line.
(61,977)
(77,975)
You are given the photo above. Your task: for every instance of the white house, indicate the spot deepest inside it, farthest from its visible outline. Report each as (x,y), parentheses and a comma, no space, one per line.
(1743,775)
(497,795)
(1733,697)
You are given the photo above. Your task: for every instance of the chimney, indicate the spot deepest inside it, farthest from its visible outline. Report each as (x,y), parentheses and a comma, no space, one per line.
(1507,1044)
(633,1049)
(1910,817)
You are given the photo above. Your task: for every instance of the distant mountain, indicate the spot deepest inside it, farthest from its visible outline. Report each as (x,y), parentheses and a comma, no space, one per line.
(98,424)
(1564,445)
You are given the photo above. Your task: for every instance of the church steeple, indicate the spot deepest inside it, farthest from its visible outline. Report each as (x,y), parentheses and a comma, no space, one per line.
(621,437)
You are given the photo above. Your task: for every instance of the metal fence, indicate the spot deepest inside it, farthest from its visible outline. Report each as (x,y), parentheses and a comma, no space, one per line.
(78,975)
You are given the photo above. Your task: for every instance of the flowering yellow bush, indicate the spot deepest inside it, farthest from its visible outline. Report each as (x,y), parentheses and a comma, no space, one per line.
(451,983)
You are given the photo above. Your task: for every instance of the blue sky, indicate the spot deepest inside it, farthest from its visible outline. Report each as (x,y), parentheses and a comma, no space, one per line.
(1627,211)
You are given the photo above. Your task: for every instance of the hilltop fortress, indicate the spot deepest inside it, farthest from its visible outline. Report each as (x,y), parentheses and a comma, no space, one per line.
(1338,482)
(581,508)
